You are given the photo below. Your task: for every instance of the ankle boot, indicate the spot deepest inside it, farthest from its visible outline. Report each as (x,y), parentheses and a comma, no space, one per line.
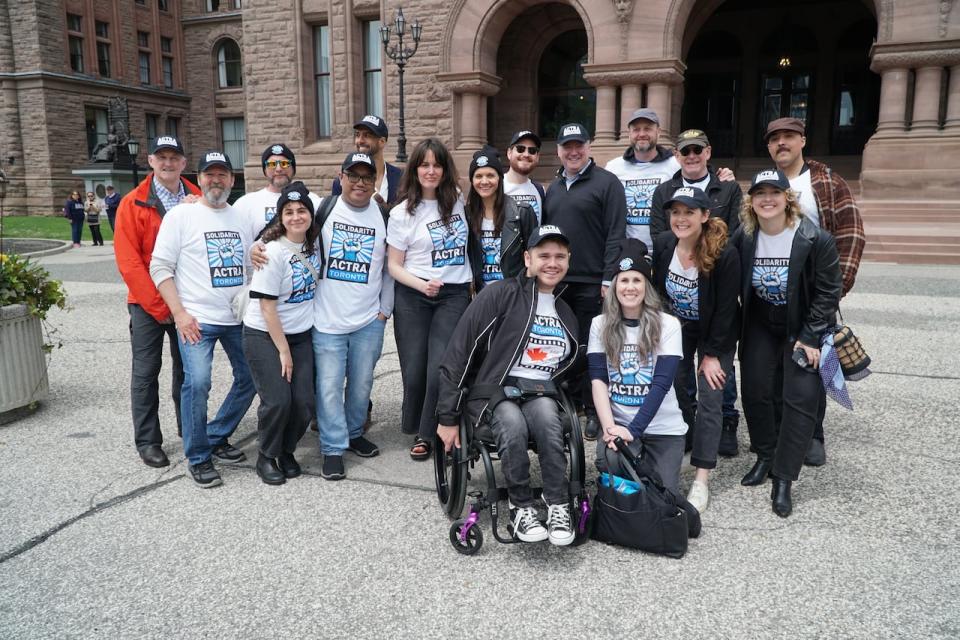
(728,437)
(268,470)
(780,495)
(758,474)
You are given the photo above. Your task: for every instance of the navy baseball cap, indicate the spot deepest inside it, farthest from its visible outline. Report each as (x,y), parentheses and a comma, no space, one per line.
(213,158)
(691,196)
(525,133)
(374,124)
(353,159)
(166,142)
(571,132)
(546,232)
(772,177)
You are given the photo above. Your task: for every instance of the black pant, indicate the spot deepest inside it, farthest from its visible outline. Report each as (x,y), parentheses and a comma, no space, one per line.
(585,302)
(422,327)
(97,236)
(286,408)
(112,219)
(146,341)
(768,378)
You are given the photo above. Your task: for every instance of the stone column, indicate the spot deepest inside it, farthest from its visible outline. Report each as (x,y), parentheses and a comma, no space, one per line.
(658,99)
(893,102)
(472,90)
(629,102)
(926,99)
(953,101)
(470,119)
(606,113)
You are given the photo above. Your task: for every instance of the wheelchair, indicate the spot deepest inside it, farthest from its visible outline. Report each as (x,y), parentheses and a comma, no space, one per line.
(453,472)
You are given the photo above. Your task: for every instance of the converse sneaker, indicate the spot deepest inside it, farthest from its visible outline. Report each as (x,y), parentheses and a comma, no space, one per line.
(205,475)
(699,496)
(558,523)
(228,454)
(526,526)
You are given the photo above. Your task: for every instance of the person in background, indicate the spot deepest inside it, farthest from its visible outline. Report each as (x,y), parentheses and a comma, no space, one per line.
(92,208)
(73,210)
(111,202)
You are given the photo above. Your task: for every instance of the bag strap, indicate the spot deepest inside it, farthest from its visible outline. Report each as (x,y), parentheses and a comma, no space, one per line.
(302,259)
(636,466)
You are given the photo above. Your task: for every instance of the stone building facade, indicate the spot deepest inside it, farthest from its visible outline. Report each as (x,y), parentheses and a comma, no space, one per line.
(877,81)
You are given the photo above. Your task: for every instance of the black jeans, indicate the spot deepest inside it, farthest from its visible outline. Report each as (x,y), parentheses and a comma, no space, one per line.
(585,302)
(286,408)
(422,327)
(97,236)
(772,383)
(146,341)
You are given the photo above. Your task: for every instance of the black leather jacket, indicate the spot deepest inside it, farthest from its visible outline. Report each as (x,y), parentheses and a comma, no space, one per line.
(725,198)
(813,288)
(519,221)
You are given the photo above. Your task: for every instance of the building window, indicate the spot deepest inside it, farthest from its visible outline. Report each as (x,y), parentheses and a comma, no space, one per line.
(102,29)
(166,45)
(143,39)
(153,126)
(173,127)
(229,64)
(372,68)
(144,67)
(75,41)
(97,127)
(167,64)
(213,5)
(237,4)
(164,5)
(234,139)
(103,48)
(321,46)
(142,2)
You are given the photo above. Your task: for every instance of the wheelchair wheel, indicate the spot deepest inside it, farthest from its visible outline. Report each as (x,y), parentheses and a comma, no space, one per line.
(473,541)
(450,474)
(575,444)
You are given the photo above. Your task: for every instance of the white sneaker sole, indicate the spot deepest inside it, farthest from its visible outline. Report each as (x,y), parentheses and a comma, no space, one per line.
(562,541)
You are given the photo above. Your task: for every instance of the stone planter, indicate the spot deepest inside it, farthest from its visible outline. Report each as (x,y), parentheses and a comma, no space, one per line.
(23,364)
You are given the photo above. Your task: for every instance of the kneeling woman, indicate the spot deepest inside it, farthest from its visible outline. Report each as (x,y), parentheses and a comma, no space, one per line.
(790,289)
(633,355)
(501,227)
(697,274)
(277,337)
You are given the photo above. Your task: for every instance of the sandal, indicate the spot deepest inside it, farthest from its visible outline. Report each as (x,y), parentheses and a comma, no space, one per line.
(420,449)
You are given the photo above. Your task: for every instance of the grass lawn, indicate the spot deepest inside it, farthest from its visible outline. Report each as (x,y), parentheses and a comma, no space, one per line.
(52,227)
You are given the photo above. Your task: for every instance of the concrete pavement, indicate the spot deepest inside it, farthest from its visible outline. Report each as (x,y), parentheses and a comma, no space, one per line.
(93,544)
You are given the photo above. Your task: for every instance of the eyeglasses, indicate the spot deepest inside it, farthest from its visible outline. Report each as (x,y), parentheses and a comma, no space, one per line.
(696,150)
(273,164)
(354,178)
(525,149)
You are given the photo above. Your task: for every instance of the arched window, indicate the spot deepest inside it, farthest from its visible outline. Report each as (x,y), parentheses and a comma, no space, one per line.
(229,65)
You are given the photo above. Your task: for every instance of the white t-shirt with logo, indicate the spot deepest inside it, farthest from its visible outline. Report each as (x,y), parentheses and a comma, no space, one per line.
(808,201)
(640,180)
(433,249)
(525,193)
(286,279)
(210,250)
(490,244)
(683,289)
(547,344)
(699,184)
(355,287)
(771,266)
(260,207)
(629,380)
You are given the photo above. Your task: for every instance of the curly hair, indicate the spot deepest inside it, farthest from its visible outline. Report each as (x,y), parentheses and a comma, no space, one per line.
(710,244)
(411,192)
(274,231)
(748,218)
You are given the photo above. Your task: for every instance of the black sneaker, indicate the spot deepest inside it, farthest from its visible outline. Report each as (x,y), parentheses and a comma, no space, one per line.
(363,447)
(228,454)
(526,524)
(205,475)
(592,428)
(332,468)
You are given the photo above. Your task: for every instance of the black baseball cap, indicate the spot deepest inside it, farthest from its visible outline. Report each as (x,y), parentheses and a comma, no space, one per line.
(525,133)
(772,177)
(691,196)
(212,158)
(573,131)
(375,124)
(353,159)
(166,142)
(546,232)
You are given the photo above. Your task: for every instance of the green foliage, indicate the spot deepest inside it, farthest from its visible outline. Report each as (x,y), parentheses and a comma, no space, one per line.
(25,282)
(49,227)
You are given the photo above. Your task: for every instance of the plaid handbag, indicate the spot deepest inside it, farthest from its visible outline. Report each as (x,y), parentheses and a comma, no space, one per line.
(853,358)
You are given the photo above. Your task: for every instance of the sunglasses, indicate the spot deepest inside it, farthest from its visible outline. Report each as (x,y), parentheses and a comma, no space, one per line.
(525,149)
(691,149)
(354,178)
(273,164)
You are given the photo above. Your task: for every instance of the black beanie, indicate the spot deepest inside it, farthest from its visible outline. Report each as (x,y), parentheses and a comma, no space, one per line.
(486,157)
(277,150)
(633,257)
(295,192)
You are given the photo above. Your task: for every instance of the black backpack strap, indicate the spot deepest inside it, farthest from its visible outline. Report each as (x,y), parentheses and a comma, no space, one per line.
(326,206)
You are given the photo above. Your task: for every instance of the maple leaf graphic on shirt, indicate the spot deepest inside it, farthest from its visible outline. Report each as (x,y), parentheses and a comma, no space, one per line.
(536,354)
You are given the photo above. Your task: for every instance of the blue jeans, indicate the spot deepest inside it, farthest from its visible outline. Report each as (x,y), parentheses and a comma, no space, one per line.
(344,360)
(199,436)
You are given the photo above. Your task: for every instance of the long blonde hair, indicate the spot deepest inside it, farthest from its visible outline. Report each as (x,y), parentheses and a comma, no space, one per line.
(748,217)
(614,333)
(710,244)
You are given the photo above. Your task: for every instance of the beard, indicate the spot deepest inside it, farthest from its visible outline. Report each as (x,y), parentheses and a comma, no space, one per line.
(524,170)
(215,195)
(280,181)
(644,147)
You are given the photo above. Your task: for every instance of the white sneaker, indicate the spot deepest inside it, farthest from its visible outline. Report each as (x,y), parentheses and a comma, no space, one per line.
(699,496)
(526,526)
(558,524)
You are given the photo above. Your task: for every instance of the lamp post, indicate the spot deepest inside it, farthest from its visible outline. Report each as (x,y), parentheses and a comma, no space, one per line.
(133,149)
(400,55)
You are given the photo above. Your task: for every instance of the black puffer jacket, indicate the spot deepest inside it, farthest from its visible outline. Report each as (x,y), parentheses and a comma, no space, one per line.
(488,340)
(813,287)
(519,221)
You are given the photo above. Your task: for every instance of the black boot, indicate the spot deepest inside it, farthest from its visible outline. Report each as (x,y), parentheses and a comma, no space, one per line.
(780,495)
(268,470)
(728,437)
(758,474)
(592,429)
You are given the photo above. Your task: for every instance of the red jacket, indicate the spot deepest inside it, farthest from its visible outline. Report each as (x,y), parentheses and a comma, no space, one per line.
(137,224)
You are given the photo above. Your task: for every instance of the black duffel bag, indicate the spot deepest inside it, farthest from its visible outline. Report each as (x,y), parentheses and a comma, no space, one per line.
(653,519)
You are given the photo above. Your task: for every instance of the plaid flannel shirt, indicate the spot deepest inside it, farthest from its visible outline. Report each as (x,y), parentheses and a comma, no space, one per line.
(840,216)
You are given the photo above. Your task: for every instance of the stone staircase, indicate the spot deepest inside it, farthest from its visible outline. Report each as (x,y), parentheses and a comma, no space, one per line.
(912,232)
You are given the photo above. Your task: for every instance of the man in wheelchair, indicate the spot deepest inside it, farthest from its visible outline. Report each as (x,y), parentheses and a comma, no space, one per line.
(502,365)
